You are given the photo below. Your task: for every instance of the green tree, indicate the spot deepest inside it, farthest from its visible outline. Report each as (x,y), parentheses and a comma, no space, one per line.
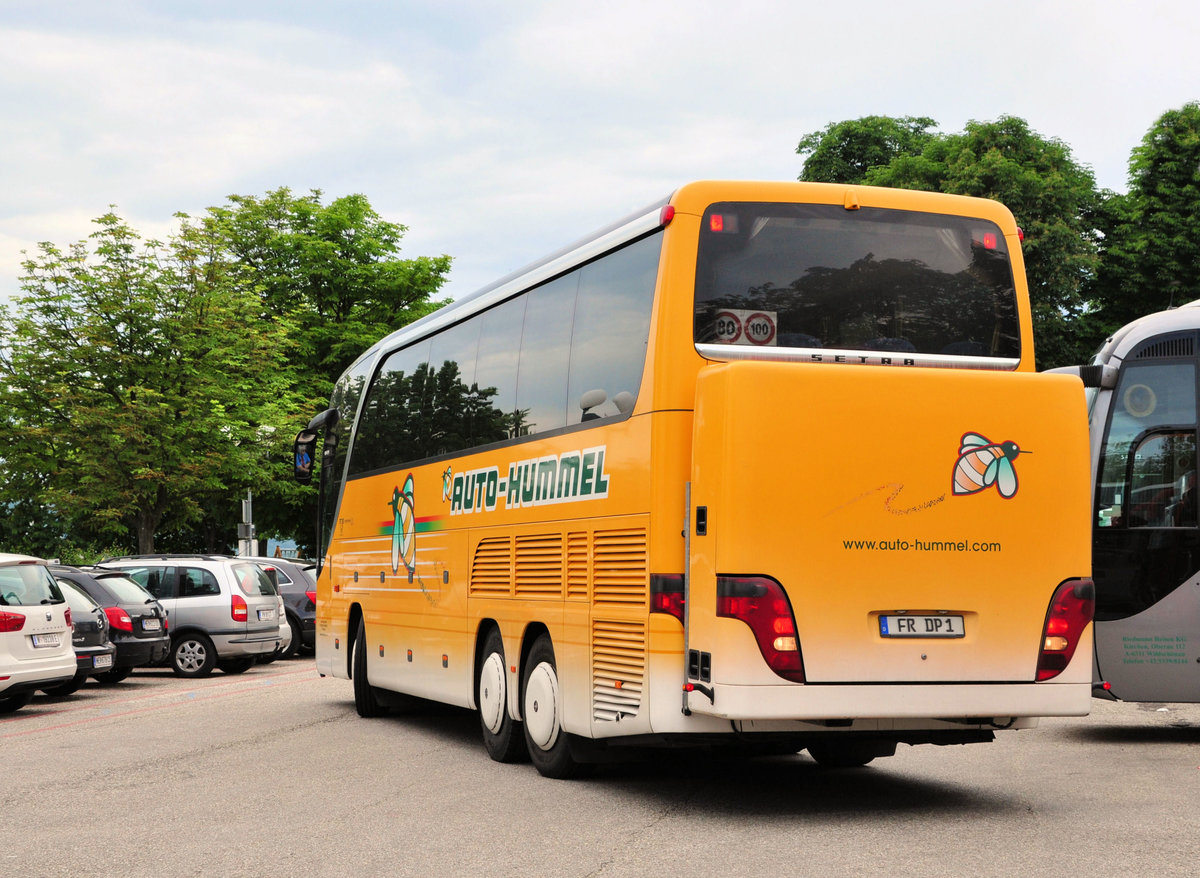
(138,386)
(335,268)
(843,152)
(1150,255)
(334,271)
(1053,198)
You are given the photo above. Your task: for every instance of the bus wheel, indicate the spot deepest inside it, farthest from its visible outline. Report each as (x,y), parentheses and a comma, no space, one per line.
(849,754)
(501,733)
(541,706)
(366,701)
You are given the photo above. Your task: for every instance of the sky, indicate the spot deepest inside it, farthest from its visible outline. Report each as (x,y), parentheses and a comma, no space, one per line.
(497,132)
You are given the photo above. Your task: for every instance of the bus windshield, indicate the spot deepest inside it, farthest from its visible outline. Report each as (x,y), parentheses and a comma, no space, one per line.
(821,276)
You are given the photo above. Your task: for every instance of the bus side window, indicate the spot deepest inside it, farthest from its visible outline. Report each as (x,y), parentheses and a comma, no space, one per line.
(546,356)
(1162,481)
(612,324)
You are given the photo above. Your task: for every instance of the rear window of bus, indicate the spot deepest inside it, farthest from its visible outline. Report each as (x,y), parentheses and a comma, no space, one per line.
(820,276)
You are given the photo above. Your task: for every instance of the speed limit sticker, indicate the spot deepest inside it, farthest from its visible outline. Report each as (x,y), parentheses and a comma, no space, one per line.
(760,328)
(739,326)
(728,325)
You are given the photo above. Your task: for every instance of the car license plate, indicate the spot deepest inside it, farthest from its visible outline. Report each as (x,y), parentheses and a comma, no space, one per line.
(151,625)
(266,615)
(102,661)
(917,625)
(43,641)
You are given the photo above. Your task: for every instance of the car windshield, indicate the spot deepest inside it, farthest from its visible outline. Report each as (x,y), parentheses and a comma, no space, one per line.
(26,585)
(125,589)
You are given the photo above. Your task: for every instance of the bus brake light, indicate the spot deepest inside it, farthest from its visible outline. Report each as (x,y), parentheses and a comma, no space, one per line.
(1070,611)
(760,602)
(666,594)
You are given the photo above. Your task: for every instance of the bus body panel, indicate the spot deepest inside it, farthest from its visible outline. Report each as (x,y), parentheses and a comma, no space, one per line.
(1152,656)
(843,491)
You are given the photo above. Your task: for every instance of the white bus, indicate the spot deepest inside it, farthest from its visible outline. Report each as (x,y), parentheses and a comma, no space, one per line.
(1142,409)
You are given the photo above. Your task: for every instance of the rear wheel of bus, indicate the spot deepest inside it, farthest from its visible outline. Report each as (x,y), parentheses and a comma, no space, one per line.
(541,708)
(502,735)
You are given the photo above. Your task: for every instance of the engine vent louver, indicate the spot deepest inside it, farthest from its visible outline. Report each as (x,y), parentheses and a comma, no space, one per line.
(618,669)
(491,569)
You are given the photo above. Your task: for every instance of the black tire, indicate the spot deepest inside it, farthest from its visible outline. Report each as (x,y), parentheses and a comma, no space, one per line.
(193,655)
(849,753)
(293,649)
(116,675)
(268,657)
(541,709)
(68,688)
(366,699)
(11,703)
(502,735)
(237,665)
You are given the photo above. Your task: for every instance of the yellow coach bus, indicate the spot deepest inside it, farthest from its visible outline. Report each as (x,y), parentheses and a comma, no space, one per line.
(766,463)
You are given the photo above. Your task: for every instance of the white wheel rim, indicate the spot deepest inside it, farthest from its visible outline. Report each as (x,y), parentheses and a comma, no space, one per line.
(541,706)
(492,694)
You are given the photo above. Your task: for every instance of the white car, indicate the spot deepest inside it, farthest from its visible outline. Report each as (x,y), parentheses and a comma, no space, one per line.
(35,631)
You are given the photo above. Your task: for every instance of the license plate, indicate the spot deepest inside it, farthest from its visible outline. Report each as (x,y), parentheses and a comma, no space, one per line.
(42,641)
(102,661)
(916,625)
(266,615)
(151,625)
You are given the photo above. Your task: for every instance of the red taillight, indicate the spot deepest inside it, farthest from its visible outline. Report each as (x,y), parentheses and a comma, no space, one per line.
(1069,614)
(666,594)
(312,599)
(761,603)
(666,215)
(11,621)
(238,609)
(67,615)
(119,619)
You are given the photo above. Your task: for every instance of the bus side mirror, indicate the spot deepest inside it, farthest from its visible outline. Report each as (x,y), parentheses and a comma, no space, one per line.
(1103,377)
(305,447)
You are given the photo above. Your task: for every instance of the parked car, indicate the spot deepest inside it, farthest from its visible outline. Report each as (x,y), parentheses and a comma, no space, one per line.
(35,631)
(298,585)
(89,636)
(137,622)
(223,611)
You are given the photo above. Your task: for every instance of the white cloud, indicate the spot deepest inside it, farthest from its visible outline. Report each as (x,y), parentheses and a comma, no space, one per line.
(498,131)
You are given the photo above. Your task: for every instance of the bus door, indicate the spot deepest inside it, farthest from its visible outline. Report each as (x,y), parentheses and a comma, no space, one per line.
(1146,546)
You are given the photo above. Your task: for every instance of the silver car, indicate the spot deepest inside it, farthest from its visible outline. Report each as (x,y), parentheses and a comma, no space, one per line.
(222,612)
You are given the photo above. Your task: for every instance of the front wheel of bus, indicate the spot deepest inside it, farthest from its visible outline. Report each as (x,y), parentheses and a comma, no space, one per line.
(366,701)
(541,706)
(502,735)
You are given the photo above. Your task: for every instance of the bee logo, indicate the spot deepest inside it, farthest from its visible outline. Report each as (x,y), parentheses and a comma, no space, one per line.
(982,463)
(404,527)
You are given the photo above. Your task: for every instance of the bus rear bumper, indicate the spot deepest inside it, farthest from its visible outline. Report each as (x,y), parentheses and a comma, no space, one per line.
(952,701)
